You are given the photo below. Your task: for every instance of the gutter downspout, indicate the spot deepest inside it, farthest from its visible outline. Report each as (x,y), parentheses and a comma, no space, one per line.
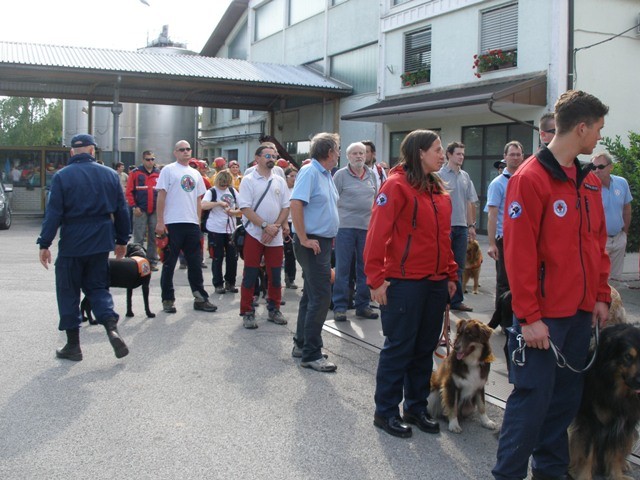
(513,119)
(570,43)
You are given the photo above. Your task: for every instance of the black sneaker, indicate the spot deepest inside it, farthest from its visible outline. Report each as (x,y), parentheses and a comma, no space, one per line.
(231,288)
(366,313)
(168,306)
(70,352)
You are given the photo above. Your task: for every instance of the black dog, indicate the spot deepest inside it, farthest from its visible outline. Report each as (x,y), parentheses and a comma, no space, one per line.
(503,317)
(128,273)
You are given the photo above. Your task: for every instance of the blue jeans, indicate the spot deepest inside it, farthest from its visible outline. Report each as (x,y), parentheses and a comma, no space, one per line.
(350,243)
(223,250)
(316,296)
(411,324)
(459,239)
(91,274)
(544,401)
(185,237)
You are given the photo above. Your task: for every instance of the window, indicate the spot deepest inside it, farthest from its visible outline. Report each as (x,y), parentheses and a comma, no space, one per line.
(399,2)
(238,46)
(268,19)
(357,68)
(483,146)
(301,9)
(417,57)
(395,140)
(299,150)
(499,28)
(213,116)
(235,113)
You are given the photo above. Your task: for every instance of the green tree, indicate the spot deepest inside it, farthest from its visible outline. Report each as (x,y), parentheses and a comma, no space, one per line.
(628,166)
(28,122)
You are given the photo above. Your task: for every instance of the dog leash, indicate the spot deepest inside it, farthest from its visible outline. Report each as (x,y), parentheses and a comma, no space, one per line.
(561,360)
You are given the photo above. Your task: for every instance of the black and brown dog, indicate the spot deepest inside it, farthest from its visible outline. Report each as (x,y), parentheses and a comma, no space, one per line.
(604,432)
(130,272)
(457,386)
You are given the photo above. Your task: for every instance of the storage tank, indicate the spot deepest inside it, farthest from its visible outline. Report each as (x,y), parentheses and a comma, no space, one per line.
(159,127)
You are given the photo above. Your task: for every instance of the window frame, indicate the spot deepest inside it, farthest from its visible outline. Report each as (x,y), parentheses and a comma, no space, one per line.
(417,71)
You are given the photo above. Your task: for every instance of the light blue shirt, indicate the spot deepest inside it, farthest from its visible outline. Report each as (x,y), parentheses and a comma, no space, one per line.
(462,192)
(496,195)
(314,187)
(614,199)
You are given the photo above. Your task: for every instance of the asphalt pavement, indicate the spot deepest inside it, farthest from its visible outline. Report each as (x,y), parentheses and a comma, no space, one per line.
(199,397)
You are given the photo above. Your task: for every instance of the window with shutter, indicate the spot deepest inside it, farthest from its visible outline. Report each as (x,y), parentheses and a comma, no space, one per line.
(417,57)
(499,28)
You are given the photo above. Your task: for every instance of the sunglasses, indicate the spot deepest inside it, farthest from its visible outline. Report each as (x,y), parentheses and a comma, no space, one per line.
(551,130)
(150,159)
(268,156)
(184,149)
(601,167)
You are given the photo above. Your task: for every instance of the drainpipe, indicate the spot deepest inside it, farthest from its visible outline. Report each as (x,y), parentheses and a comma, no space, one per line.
(570,43)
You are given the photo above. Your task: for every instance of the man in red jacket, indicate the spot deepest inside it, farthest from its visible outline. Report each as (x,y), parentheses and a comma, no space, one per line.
(141,196)
(554,244)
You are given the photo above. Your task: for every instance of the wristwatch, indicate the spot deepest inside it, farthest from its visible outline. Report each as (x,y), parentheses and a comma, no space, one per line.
(264,225)
(471,225)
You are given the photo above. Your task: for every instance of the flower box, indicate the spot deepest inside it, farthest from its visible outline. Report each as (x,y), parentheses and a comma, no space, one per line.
(414,78)
(494,60)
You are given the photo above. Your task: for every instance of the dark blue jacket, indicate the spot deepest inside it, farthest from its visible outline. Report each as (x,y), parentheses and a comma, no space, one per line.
(87,203)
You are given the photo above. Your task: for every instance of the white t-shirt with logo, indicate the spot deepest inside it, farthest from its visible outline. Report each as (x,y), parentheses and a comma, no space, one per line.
(183,185)
(219,221)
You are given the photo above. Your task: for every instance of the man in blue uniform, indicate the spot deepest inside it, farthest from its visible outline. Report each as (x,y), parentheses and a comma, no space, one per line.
(87,203)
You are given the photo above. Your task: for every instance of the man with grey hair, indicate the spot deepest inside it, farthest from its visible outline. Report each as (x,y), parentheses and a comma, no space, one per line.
(314,213)
(356,185)
(616,199)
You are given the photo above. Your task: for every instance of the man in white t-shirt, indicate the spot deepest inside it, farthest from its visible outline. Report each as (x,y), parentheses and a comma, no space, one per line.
(180,190)
(265,223)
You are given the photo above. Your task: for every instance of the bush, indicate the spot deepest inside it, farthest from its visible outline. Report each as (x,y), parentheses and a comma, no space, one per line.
(628,166)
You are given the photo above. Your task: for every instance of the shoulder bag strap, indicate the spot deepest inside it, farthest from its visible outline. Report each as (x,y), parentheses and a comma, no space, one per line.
(259,201)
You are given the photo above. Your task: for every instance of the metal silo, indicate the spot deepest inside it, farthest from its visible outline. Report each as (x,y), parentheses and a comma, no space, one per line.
(159,127)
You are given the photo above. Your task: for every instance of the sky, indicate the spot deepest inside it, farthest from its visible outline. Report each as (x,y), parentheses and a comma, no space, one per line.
(113,24)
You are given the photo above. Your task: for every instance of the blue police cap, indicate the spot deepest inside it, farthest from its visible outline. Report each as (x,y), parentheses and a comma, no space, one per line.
(83,140)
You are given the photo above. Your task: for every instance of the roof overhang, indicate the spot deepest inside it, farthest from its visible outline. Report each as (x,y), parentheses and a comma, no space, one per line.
(510,92)
(28,70)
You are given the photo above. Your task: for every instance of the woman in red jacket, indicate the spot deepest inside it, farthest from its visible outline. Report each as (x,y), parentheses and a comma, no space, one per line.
(411,273)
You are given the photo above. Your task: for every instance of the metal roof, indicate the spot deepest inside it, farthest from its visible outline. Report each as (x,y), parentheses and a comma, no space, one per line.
(152,76)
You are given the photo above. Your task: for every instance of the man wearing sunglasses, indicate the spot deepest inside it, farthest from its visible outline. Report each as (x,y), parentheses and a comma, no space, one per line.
(141,196)
(616,199)
(180,191)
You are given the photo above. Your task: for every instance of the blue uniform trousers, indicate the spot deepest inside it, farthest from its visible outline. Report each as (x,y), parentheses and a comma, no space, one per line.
(412,324)
(544,401)
(90,274)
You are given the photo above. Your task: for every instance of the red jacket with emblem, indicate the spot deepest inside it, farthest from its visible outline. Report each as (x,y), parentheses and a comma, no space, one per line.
(408,235)
(141,189)
(554,240)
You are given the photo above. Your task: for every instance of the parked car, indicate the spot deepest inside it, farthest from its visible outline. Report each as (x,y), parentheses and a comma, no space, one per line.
(5,206)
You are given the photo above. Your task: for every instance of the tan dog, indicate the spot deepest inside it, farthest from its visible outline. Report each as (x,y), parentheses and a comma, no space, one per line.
(472,266)
(457,387)
(617,313)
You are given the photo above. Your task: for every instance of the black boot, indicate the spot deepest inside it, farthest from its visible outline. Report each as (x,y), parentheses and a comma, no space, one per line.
(119,347)
(71,351)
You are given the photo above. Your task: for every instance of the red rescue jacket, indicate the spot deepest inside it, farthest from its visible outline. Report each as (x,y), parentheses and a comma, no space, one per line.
(408,235)
(554,240)
(141,189)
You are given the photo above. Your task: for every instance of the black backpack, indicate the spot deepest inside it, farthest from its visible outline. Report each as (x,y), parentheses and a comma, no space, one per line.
(204,216)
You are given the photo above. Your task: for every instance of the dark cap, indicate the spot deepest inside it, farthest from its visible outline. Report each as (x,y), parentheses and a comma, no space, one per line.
(499,164)
(83,140)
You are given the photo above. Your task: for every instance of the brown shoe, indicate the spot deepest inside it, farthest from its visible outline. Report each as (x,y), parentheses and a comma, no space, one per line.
(461,307)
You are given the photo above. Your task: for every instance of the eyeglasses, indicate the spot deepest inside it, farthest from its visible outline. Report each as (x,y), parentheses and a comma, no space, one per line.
(601,167)
(268,156)
(551,130)
(150,159)
(184,149)
(292,176)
